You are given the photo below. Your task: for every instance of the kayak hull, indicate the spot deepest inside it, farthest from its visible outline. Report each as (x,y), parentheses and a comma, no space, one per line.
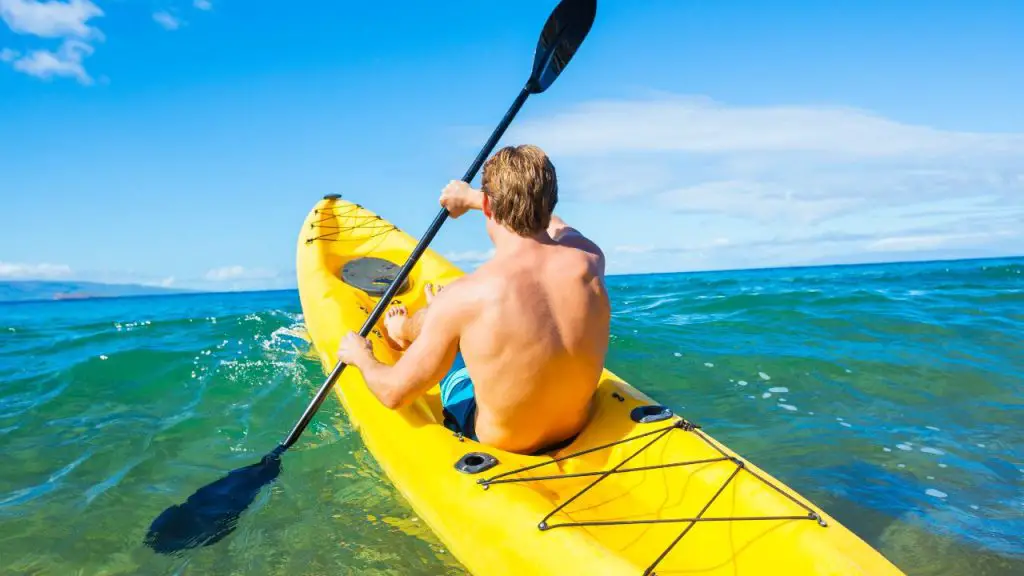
(674,500)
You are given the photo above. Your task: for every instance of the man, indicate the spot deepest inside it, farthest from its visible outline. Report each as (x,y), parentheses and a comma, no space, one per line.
(519,344)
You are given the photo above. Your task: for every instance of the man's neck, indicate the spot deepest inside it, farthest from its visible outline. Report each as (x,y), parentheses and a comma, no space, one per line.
(507,241)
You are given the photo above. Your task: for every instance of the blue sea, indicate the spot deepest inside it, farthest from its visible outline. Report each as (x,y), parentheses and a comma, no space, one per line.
(890,395)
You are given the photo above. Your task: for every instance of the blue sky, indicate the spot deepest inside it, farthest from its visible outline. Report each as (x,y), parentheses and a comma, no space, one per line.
(182,143)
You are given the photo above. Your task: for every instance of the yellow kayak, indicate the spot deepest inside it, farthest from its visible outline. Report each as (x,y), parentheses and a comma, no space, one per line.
(640,490)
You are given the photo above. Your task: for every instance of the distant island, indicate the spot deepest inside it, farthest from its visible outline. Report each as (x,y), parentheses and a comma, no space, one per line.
(28,290)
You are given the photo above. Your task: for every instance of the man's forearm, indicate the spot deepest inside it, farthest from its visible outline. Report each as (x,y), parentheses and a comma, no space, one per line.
(379,379)
(477,199)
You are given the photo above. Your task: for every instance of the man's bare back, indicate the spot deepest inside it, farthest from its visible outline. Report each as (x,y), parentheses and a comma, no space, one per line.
(531,325)
(534,343)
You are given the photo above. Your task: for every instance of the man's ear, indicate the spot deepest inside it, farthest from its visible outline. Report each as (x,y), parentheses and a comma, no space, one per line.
(487,206)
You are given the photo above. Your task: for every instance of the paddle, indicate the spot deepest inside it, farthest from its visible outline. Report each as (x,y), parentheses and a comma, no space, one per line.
(212,512)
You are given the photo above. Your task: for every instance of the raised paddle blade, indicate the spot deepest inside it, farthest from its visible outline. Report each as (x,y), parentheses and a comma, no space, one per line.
(563,33)
(212,512)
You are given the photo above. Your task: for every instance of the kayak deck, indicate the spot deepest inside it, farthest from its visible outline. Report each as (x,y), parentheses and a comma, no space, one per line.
(626,497)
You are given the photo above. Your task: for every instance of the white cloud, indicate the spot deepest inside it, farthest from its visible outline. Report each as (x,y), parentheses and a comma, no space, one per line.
(43,271)
(51,19)
(700,125)
(634,249)
(228,273)
(65,62)
(763,176)
(203,4)
(167,20)
(470,257)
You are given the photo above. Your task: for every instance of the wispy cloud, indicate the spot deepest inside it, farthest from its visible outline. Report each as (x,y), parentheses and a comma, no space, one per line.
(51,19)
(68,21)
(470,257)
(65,62)
(39,271)
(766,173)
(167,20)
(236,272)
(203,4)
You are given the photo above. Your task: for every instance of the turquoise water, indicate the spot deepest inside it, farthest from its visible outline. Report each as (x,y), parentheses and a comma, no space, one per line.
(890,395)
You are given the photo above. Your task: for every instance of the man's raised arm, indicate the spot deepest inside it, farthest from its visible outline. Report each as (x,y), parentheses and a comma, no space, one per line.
(568,236)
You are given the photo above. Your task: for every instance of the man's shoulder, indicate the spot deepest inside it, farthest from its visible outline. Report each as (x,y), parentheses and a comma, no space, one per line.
(464,291)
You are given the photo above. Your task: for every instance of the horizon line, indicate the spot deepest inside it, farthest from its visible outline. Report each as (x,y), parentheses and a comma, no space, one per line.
(173,292)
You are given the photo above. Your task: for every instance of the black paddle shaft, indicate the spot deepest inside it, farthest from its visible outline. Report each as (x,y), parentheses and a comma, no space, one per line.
(564,31)
(414,257)
(213,511)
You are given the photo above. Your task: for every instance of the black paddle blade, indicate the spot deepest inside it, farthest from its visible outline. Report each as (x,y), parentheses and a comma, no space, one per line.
(212,512)
(563,33)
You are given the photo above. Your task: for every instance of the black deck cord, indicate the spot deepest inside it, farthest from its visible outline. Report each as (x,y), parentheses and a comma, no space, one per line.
(691,522)
(491,480)
(650,569)
(544,522)
(383,231)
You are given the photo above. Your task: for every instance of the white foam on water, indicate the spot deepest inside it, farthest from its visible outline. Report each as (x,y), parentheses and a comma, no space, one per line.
(933,428)
(750,397)
(731,380)
(811,413)
(103,356)
(678,355)
(782,399)
(846,424)
(779,389)
(941,465)
(981,445)
(936,493)
(742,382)
(905,447)
(930,477)
(886,449)
(789,407)
(766,395)
(839,418)
(974,507)
(12,329)
(848,371)
(764,376)
(901,465)
(709,364)
(935,451)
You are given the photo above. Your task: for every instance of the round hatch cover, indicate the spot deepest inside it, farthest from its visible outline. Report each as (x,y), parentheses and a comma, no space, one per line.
(372,275)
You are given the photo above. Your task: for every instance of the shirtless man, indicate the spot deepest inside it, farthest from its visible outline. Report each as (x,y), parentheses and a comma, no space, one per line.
(519,344)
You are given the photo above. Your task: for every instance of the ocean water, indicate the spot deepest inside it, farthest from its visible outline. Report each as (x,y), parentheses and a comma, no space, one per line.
(889,395)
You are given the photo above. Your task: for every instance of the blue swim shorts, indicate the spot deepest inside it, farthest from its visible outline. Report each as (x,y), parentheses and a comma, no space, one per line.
(458,399)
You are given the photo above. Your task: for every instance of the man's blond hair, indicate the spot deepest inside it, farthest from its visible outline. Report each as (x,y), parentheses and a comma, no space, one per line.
(522,187)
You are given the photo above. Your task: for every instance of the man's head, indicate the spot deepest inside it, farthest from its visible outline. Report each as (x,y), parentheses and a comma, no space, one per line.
(520,189)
